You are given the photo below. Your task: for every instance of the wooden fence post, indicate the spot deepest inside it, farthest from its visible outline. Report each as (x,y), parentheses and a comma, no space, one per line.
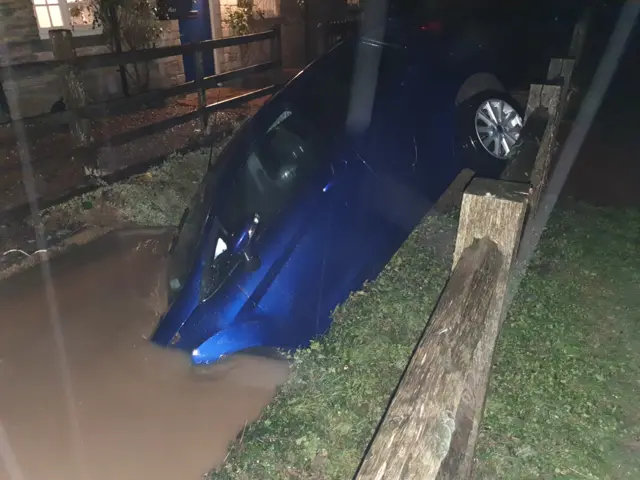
(431,426)
(202,91)
(549,97)
(526,149)
(73,92)
(276,45)
(546,95)
(322,31)
(561,70)
(580,33)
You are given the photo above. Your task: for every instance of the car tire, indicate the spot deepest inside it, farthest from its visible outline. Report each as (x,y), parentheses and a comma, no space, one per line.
(471,148)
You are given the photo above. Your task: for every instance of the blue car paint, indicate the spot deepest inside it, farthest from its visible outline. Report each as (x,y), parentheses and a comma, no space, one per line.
(339,232)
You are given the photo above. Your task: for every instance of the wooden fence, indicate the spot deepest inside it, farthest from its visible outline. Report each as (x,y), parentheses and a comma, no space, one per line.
(79,113)
(432,423)
(332,33)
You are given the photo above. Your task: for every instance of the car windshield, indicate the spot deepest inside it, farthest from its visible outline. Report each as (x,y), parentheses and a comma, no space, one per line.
(276,166)
(183,249)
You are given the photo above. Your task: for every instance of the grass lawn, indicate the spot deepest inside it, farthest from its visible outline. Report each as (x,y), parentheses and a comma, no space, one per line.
(564,398)
(565,386)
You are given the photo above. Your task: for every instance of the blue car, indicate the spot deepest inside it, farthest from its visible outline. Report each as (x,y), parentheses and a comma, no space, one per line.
(316,192)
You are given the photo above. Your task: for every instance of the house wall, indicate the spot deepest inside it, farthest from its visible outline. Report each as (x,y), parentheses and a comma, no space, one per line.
(291,17)
(18,29)
(232,58)
(17,22)
(19,42)
(169,71)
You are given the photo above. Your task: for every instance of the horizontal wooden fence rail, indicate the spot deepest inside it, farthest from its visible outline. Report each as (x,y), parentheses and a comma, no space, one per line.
(86,62)
(102,109)
(78,114)
(41,45)
(126,137)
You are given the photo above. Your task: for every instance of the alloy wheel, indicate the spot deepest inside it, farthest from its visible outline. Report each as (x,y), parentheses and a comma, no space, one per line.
(498,127)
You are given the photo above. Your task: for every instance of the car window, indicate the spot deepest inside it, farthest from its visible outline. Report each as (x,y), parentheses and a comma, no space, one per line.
(276,166)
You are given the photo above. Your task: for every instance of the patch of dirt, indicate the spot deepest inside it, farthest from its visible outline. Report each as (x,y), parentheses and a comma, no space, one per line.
(57,169)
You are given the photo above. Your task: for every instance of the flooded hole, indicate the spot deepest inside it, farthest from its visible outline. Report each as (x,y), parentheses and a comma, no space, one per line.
(126,409)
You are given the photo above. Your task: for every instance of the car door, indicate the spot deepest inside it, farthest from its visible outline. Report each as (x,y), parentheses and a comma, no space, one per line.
(376,201)
(389,147)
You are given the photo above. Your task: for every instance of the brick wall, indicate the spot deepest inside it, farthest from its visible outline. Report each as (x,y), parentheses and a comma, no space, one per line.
(232,58)
(294,26)
(18,26)
(17,22)
(168,71)
(229,58)
(19,40)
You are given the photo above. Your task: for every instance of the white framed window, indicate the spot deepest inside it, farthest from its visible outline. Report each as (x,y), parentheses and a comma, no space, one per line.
(73,14)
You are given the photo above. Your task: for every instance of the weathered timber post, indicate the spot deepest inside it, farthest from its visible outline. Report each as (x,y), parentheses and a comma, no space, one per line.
(555,98)
(202,92)
(526,149)
(494,209)
(73,92)
(545,95)
(561,69)
(548,96)
(431,426)
(546,106)
(542,109)
(580,33)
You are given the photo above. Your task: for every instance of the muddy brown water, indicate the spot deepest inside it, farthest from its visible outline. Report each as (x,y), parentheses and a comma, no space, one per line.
(113,406)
